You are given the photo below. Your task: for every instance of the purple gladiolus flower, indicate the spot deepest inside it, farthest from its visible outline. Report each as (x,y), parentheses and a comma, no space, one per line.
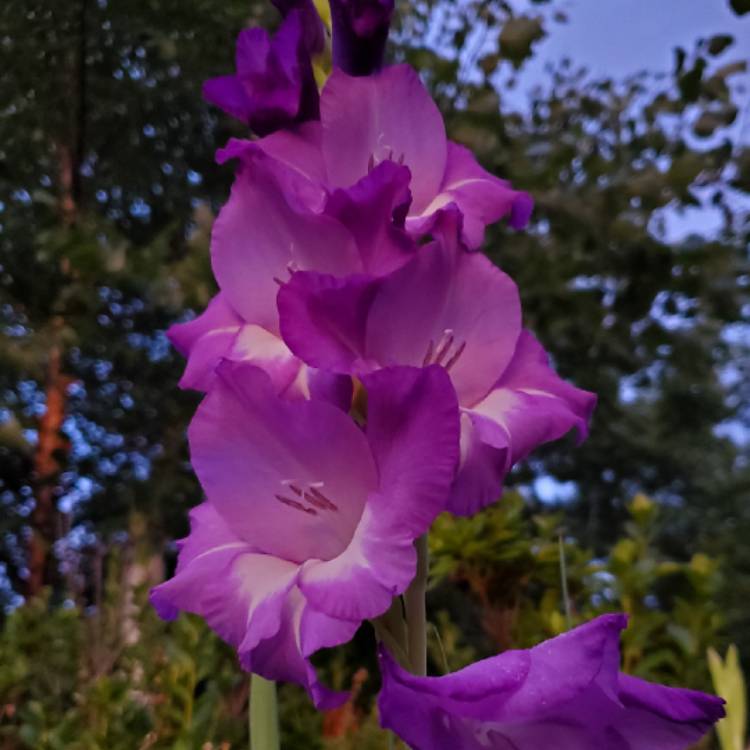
(310,521)
(391,117)
(264,233)
(360,31)
(274,84)
(565,693)
(457,310)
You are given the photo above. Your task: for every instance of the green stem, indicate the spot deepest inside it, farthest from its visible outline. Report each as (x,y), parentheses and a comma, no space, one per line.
(264,714)
(416,611)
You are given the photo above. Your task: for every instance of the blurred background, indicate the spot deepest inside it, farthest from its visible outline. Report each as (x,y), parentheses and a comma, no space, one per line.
(628,121)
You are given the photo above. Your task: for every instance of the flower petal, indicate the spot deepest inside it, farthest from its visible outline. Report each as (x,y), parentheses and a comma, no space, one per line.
(482,469)
(297,147)
(251,601)
(284,656)
(368,209)
(481,197)
(389,115)
(219,333)
(531,405)
(274,84)
(667,718)
(263,231)
(360,31)
(450,307)
(289,477)
(323,319)
(239,592)
(564,693)
(412,426)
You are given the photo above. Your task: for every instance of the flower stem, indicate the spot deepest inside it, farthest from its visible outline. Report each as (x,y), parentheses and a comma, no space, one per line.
(416,611)
(264,714)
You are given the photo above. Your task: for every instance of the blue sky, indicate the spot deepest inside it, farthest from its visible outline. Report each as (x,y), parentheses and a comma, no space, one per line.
(615,38)
(618,37)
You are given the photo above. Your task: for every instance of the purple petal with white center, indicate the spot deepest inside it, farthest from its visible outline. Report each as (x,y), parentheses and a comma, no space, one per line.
(223,579)
(219,333)
(445,306)
(251,601)
(530,404)
(482,469)
(481,197)
(565,693)
(412,428)
(389,115)
(290,478)
(217,316)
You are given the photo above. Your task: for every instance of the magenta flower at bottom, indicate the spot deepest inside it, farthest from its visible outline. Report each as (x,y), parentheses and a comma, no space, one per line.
(309,522)
(564,694)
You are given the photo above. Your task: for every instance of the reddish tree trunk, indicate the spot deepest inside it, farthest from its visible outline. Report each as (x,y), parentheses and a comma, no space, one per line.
(47,467)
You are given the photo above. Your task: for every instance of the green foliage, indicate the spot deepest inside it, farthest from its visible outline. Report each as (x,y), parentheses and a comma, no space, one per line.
(740,7)
(510,561)
(73,679)
(729,683)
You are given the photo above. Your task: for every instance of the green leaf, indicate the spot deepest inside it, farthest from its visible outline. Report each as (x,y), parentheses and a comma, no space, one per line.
(518,37)
(729,683)
(717,44)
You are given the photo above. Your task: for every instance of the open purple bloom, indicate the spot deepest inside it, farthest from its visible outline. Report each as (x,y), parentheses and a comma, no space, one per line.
(274,84)
(310,521)
(457,310)
(565,693)
(360,31)
(264,233)
(391,117)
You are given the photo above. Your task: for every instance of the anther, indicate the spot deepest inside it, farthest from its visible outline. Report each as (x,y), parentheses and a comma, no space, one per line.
(320,498)
(297,506)
(452,361)
(446,344)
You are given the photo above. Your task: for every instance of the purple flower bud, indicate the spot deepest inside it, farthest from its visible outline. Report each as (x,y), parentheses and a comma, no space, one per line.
(274,84)
(314,31)
(360,31)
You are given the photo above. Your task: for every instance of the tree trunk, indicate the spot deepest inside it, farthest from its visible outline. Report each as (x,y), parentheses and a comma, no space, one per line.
(47,467)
